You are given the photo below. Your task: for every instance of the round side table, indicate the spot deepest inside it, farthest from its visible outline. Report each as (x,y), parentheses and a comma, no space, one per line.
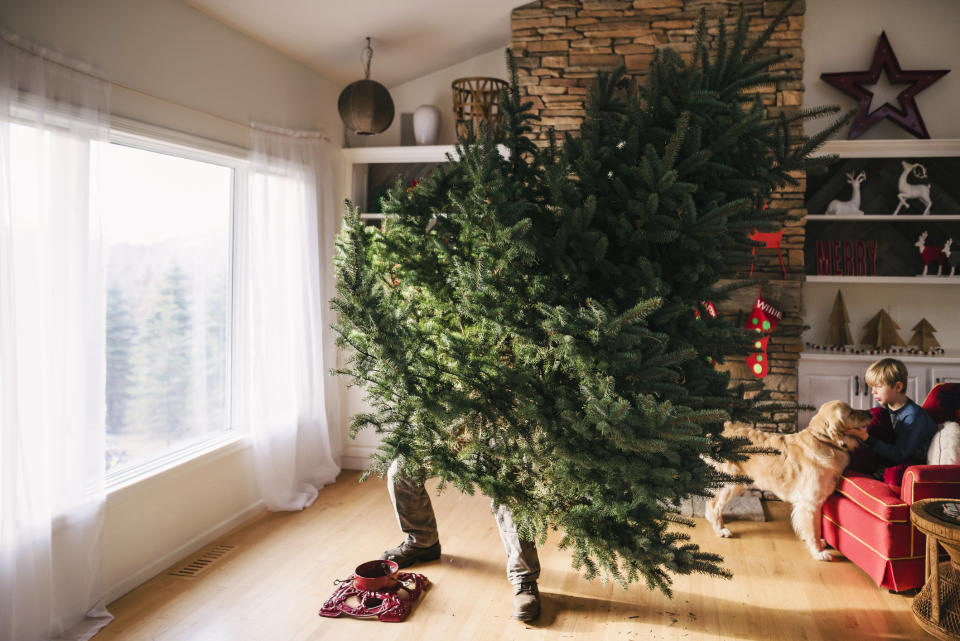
(937,606)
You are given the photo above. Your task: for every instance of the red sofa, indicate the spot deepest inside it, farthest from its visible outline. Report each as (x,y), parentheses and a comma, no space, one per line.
(868,521)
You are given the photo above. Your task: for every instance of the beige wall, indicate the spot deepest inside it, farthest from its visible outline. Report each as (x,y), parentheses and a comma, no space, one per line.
(178,55)
(840,35)
(173,52)
(434,89)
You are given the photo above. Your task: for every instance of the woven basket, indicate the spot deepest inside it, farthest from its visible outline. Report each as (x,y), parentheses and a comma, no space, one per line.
(476,100)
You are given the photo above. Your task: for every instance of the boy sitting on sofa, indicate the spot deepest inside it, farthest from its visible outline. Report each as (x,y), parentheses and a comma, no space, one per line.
(913,428)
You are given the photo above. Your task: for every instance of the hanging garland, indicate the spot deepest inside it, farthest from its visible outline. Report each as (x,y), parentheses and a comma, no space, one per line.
(934,351)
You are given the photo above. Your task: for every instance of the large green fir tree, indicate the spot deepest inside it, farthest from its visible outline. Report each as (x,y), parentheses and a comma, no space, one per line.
(525,323)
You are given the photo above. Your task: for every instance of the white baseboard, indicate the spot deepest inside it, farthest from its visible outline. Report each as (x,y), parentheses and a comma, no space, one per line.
(354,462)
(356,457)
(153,569)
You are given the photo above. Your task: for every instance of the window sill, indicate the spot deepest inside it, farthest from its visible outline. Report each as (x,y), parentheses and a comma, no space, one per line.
(201,453)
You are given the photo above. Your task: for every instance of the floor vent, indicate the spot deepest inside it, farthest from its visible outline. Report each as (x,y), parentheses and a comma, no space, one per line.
(202,563)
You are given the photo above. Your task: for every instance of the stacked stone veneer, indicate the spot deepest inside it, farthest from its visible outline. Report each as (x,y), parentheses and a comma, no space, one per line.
(560,45)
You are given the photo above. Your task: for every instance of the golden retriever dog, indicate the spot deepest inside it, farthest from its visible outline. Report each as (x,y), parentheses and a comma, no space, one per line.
(804,472)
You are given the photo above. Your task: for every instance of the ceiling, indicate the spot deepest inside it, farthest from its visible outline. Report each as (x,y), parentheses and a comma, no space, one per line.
(411,38)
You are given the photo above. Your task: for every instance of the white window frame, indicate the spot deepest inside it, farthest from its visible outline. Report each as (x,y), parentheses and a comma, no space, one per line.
(157,139)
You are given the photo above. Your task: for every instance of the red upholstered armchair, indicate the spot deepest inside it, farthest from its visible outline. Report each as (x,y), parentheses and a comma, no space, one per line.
(868,521)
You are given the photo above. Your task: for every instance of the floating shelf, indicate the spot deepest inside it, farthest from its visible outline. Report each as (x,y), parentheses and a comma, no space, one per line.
(950,357)
(887,217)
(888,280)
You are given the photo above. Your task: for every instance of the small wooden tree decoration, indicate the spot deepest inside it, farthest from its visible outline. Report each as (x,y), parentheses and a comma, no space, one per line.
(881,332)
(839,333)
(923,335)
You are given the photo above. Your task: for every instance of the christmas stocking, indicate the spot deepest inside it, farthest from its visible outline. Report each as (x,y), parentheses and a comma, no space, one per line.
(763,318)
(759,363)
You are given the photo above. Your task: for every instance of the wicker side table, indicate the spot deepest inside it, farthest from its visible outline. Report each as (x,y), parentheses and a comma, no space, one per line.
(937,606)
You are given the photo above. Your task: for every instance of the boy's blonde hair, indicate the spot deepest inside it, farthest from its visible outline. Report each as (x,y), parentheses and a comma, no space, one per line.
(887,371)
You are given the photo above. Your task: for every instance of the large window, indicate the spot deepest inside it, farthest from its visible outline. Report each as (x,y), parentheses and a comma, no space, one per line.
(167,230)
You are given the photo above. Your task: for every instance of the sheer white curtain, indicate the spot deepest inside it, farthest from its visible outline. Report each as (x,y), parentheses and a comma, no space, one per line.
(53,112)
(283,395)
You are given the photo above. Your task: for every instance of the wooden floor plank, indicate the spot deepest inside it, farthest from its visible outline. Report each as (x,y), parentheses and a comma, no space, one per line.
(284,565)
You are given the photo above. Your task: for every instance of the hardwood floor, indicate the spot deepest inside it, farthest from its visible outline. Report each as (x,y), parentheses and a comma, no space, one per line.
(273,584)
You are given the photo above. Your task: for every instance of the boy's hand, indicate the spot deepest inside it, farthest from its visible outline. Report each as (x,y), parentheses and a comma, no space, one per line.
(860,433)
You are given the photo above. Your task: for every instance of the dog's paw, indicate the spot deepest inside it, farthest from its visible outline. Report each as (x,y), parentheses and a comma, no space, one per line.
(823,555)
(724,532)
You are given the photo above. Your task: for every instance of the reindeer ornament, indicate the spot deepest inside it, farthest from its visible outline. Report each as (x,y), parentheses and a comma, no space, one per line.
(909,191)
(849,207)
(932,253)
(953,257)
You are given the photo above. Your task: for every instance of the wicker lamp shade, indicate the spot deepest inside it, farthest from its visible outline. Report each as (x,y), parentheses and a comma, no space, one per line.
(365,106)
(476,100)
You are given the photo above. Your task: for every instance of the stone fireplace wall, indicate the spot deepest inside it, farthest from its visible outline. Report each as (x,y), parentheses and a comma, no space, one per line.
(560,45)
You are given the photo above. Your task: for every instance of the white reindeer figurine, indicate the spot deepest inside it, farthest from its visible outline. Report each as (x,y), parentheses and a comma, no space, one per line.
(849,207)
(909,191)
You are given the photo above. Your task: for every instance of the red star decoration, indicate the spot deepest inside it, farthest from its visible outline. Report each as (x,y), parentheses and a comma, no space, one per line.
(908,116)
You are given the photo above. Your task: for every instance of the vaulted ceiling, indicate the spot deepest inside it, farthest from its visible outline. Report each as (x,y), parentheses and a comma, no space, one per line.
(410,38)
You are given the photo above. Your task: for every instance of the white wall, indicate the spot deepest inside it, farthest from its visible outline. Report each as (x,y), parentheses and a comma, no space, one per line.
(434,89)
(179,55)
(840,35)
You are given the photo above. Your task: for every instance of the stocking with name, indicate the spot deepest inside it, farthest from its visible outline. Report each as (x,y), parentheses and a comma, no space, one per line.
(763,318)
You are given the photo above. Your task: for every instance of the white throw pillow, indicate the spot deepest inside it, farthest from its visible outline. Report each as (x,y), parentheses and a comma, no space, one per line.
(945,446)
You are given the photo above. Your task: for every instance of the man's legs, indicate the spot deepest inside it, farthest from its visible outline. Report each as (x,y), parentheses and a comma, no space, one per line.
(523,567)
(411,502)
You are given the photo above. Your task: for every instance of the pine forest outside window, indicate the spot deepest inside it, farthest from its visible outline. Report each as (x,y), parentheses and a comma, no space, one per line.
(167,229)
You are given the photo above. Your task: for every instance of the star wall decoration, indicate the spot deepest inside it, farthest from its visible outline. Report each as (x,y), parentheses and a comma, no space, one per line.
(908,115)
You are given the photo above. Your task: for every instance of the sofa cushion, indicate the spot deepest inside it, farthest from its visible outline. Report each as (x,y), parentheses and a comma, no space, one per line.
(945,447)
(884,539)
(930,482)
(875,497)
(943,403)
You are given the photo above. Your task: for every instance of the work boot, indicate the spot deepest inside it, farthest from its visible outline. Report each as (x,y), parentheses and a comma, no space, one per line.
(526,601)
(406,555)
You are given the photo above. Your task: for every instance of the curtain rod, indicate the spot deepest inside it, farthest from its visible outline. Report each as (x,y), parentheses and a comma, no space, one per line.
(245,125)
(56,58)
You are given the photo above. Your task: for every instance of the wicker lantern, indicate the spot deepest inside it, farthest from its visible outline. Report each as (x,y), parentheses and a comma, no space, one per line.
(365,106)
(477,100)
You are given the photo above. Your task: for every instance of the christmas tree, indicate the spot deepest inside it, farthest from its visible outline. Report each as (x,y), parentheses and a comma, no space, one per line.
(525,323)
(839,333)
(881,332)
(923,335)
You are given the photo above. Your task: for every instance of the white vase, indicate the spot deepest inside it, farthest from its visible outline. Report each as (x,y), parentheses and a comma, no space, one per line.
(426,124)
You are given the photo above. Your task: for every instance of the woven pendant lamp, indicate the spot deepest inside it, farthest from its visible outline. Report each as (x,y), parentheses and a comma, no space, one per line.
(365,106)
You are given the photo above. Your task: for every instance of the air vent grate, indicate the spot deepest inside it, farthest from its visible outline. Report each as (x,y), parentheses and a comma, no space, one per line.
(202,563)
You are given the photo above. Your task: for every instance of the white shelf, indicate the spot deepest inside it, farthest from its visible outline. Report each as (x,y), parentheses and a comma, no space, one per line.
(890,148)
(425,153)
(949,358)
(887,280)
(888,217)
